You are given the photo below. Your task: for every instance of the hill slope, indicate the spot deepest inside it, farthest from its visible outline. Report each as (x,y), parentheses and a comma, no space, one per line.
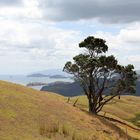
(74,89)
(27,114)
(127,109)
(64,88)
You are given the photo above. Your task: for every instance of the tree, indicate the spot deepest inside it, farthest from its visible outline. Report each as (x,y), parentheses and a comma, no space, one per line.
(100,76)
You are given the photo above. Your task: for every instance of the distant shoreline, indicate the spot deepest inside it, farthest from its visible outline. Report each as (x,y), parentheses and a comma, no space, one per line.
(36,84)
(57,76)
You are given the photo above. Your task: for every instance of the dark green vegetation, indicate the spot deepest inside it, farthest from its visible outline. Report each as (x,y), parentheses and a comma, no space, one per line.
(74,89)
(64,88)
(98,73)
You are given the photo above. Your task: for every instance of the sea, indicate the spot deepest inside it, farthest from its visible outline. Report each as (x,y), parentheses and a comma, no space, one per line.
(24,80)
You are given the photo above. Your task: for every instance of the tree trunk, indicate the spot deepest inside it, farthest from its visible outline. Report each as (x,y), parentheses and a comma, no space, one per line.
(92,109)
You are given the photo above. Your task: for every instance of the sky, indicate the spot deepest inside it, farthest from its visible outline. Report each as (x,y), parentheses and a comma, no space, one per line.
(43,34)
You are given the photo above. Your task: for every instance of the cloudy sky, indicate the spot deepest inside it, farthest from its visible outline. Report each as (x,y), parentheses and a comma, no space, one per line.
(43,34)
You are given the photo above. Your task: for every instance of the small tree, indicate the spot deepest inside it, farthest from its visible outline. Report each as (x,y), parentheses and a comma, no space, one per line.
(101,77)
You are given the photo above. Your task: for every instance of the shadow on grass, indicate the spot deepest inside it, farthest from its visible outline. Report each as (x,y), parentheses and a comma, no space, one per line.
(108,122)
(135,120)
(118,130)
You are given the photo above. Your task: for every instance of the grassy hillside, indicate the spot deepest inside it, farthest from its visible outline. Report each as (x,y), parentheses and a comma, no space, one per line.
(27,114)
(127,109)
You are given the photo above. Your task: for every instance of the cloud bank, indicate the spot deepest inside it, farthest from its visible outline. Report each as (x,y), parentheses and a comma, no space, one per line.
(10,2)
(44,34)
(110,11)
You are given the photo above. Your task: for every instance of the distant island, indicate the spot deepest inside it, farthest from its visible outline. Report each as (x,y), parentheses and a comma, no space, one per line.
(37,75)
(57,76)
(36,84)
(52,73)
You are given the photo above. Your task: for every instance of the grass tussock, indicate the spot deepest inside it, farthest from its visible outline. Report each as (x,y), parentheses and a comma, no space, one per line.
(49,130)
(65,130)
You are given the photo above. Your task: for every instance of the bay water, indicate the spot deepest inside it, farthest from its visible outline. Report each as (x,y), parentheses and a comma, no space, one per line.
(24,80)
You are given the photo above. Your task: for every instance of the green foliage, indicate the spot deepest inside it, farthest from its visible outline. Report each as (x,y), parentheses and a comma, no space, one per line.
(95,45)
(99,73)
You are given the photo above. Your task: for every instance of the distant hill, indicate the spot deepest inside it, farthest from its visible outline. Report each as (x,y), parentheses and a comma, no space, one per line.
(64,88)
(73,89)
(37,75)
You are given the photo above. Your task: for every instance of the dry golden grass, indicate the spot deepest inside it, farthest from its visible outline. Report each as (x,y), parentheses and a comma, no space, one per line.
(127,110)
(27,114)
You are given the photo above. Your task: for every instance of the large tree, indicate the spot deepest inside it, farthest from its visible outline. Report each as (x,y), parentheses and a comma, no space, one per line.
(100,75)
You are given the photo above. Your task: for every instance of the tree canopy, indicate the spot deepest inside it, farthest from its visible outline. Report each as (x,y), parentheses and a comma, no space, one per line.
(100,75)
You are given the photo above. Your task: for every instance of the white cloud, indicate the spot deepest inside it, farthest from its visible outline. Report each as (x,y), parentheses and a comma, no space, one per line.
(134,59)
(125,45)
(30,42)
(26,45)
(32,45)
(29,9)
